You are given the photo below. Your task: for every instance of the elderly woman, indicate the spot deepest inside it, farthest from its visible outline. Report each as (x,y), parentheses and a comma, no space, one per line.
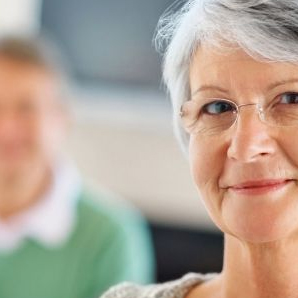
(232,72)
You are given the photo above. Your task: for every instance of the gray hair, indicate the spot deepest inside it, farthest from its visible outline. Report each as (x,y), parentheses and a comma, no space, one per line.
(40,52)
(265,29)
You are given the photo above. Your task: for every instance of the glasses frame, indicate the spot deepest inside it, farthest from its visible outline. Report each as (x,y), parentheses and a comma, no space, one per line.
(260,108)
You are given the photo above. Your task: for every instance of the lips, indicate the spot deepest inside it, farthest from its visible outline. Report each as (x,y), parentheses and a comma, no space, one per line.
(260,186)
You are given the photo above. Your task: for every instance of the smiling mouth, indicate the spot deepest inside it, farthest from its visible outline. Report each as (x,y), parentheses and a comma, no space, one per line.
(260,187)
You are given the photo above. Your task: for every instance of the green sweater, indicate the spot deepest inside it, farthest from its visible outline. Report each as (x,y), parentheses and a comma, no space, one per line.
(108,245)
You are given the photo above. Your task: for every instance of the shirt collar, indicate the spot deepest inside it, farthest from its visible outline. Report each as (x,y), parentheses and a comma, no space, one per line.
(51,220)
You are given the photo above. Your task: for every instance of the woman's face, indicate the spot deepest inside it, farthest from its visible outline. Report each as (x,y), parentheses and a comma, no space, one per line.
(247,174)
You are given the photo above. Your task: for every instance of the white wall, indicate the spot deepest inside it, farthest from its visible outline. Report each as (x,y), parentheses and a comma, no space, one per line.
(129,148)
(19,16)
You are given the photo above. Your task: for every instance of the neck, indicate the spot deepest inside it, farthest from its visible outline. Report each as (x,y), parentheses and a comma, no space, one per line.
(260,270)
(254,271)
(19,192)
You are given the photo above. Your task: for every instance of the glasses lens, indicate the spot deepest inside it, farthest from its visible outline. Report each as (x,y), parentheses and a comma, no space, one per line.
(209,118)
(284,112)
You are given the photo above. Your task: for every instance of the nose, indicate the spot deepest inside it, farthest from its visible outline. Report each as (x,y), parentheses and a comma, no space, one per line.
(250,137)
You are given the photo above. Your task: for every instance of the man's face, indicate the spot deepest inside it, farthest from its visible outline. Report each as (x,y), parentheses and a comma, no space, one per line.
(31,117)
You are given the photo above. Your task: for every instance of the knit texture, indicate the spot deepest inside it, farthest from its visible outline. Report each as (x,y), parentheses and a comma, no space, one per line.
(173,289)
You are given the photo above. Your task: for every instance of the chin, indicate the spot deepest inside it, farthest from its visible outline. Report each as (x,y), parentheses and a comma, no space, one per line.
(261,228)
(258,236)
(260,219)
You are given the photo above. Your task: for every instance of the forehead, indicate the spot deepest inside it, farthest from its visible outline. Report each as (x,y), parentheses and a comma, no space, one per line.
(16,67)
(18,76)
(236,68)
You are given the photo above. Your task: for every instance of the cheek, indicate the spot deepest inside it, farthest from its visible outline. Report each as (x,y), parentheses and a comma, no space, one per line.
(52,134)
(289,142)
(42,134)
(32,131)
(206,162)
(201,163)
(28,134)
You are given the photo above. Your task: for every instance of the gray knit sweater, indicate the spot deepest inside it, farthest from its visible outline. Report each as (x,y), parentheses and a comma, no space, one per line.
(173,289)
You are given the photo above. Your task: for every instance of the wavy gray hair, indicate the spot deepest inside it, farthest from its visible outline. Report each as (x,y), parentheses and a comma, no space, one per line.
(265,29)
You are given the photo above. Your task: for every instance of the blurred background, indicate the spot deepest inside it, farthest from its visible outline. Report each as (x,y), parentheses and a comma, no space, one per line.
(122,138)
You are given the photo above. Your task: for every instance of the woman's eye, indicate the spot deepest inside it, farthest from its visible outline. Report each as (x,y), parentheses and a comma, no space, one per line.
(217,107)
(289,98)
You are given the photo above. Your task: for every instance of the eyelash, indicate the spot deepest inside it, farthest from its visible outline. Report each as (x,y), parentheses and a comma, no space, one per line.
(277,99)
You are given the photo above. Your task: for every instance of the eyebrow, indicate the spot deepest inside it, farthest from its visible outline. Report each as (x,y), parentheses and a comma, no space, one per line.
(209,87)
(217,88)
(282,82)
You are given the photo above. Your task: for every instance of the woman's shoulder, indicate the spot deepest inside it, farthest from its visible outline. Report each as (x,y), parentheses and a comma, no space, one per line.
(173,289)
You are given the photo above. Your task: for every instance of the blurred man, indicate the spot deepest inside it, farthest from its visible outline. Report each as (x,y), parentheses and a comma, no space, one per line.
(55,241)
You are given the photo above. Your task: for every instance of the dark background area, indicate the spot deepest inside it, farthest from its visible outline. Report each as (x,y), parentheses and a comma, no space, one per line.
(181,250)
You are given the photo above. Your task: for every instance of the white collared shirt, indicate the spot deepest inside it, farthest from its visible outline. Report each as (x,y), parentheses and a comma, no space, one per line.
(51,220)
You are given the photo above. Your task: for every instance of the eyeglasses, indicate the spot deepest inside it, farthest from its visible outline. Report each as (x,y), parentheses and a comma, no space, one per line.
(218,115)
